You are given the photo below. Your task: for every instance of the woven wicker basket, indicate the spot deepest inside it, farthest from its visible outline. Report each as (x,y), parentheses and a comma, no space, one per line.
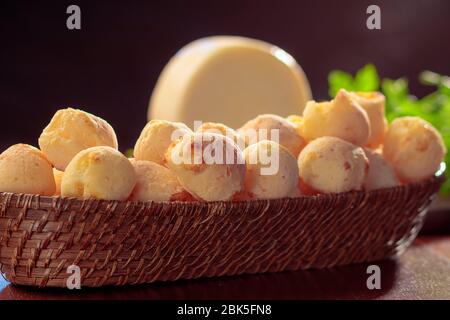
(118,243)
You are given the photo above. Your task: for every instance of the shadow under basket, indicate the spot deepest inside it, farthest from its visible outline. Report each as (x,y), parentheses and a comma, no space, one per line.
(119,243)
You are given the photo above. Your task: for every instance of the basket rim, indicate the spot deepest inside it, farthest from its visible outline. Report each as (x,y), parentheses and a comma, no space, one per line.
(438,177)
(307,246)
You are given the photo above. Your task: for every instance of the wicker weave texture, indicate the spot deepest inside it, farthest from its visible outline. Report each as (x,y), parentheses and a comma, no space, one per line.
(118,243)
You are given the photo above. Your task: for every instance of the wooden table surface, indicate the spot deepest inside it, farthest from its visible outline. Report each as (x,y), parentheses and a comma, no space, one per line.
(422,272)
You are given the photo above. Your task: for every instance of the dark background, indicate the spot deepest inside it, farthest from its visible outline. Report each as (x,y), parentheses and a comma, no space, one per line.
(110,67)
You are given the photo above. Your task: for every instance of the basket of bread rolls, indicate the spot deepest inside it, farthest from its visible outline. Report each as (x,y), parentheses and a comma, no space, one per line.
(332,186)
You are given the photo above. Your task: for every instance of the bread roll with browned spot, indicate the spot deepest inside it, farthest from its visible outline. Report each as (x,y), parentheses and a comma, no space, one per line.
(274,128)
(342,118)
(332,165)
(220,128)
(414,147)
(271,170)
(72,130)
(156,137)
(208,165)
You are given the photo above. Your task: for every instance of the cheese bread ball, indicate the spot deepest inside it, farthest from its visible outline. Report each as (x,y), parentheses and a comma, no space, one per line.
(414,147)
(100,173)
(58,177)
(260,128)
(72,130)
(154,182)
(373,104)
(271,170)
(156,137)
(25,169)
(332,165)
(381,174)
(342,117)
(220,128)
(208,165)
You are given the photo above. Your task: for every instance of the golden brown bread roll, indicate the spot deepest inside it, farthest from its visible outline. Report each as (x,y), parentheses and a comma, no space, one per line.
(72,130)
(25,169)
(156,137)
(342,118)
(271,171)
(100,173)
(154,182)
(220,128)
(332,165)
(414,148)
(373,104)
(260,128)
(209,166)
